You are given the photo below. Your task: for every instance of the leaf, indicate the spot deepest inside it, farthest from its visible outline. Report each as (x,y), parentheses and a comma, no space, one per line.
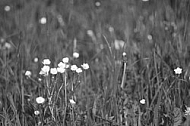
(177,116)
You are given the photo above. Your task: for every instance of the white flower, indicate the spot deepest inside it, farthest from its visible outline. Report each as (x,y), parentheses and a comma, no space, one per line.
(7,45)
(44,70)
(85,66)
(36,112)
(43,20)
(97,4)
(187,112)
(76,55)
(119,44)
(2,40)
(79,70)
(60,69)
(124,54)
(35,59)
(7,8)
(72,102)
(40,100)
(46,62)
(53,71)
(28,73)
(145,0)
(90,33)
(62,65)
(39,79)
(65,60)
(111,29)
(74,67)
(149,37)
(178,70)
(43,73)
(142,101)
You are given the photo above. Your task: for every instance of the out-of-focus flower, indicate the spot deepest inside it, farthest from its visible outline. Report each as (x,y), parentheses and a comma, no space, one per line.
(39,123)
(28,73)
(43,20)
(111,29)
(74,67)
(97,4)
(35,59)
(187,111)
(7,45)
(7,8)
(124,54)
(178,70)
(119,44)
(36,112)
(76,55)
(145,0)
(46,62)
(79,70)
(85,66)
(40,100)
(149,37)
(65,60)
(143,101)
(72,101)
(53,71)
(60,69)
(39,79)
(2,40)
(90,33)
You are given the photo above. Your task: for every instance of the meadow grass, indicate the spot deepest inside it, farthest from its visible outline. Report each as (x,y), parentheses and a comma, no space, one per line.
(94,63)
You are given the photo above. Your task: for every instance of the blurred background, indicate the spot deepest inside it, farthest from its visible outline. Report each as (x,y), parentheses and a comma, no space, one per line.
(149,32)
(48,28)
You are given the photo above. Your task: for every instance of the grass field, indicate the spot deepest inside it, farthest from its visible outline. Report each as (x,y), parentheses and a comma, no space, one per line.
(94,63)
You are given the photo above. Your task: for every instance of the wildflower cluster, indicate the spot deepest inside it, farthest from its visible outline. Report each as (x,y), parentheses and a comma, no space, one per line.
(62,66)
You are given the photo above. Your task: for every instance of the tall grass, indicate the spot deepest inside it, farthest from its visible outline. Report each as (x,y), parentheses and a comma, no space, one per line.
(133,49)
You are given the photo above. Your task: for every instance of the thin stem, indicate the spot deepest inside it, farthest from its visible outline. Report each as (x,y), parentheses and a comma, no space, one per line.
(65,80)
(124,76)
(22,92)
